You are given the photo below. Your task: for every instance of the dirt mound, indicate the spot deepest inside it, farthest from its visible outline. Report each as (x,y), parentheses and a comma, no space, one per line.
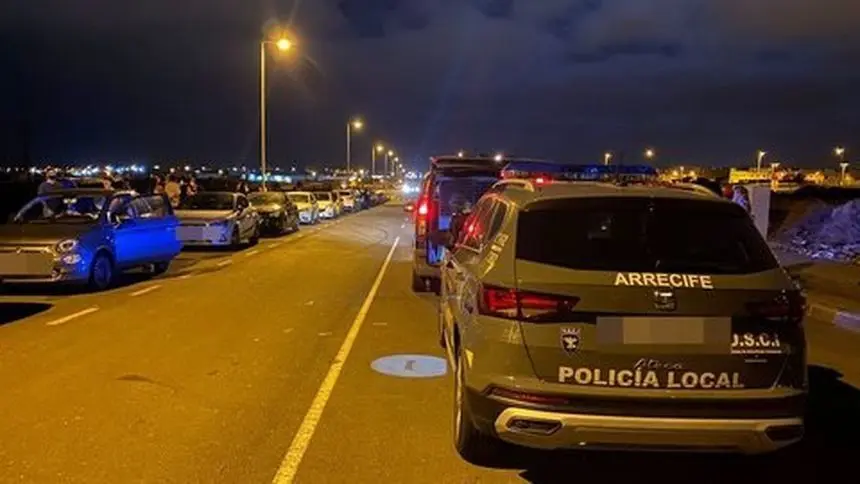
(826,232)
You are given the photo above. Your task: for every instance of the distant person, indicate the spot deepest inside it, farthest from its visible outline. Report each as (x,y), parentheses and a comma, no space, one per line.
(193,188)
(158,185)
(50,184)
(107,181)
(242,187)
(173,191)
(741,196)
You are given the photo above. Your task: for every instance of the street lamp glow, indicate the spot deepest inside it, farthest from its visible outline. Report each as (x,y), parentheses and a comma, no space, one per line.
(380,148)
(390,153)
(498,157)
(284,44)
(606,157)
(357,124)
(649,153)
(460,154)
(396,159)
(760,157)
(839,151)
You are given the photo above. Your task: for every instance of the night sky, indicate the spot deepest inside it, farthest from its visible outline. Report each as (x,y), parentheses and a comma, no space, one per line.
(703,81)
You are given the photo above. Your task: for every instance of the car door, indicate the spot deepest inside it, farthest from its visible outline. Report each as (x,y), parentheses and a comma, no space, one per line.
(157,214)
(129,234)
(458,274)
(243,219)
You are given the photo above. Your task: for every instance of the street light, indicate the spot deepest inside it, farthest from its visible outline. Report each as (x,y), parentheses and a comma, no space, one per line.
(498,157)
(283,44)
(460,154)
(606,157)
(379,148)
(649,154)
(353,124)
(388,155)
(840,153)
(760,157)
(844,167)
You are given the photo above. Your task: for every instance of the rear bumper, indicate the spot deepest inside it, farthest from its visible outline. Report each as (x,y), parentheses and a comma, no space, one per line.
(421,267)
(554,430)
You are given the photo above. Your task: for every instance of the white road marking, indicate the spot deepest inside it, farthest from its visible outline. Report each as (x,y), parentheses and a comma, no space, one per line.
(224,262)
(249,254)
(380,324)
(66,319)
(290,465)
(145,290)
(276,244)
(288,330)
(309,303)
(327,333)
(185,276)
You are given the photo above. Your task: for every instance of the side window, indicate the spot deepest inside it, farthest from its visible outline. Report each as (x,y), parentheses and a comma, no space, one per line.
(498,218)
(158,205)
(476,225)
(141,207)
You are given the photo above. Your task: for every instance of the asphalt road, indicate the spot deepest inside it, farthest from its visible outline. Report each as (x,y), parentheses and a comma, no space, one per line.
(256,366)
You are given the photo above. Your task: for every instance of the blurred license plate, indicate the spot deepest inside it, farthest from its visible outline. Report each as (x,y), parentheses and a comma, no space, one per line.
(667,331)
(190,233)
(25,264)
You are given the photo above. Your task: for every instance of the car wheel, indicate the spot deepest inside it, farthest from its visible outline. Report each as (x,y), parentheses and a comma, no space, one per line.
(159,268)
(474,446)
(255,237)
(235,238)
(284,226)
(418,283)
(101,272)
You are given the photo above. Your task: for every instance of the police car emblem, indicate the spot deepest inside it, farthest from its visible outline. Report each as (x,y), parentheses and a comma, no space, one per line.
(570,340)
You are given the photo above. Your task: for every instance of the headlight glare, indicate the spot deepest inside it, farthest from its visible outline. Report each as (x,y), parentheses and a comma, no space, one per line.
(67,245)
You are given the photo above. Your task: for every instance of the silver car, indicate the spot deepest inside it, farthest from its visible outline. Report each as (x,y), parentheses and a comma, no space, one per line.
(212,219)
(599,315)
(86,236)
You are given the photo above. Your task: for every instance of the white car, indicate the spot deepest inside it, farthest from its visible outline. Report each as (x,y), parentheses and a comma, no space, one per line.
(307,205)
(348,198)
(328,204)
(217,219)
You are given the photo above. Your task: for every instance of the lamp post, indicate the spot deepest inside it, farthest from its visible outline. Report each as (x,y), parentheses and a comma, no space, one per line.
(844,167)
(607,157)
(283,44)
(759,158)
(379,148)
(353,124)
(388,155)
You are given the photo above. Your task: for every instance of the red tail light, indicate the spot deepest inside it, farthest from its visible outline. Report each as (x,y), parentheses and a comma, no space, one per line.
(540,180)
(787,306)
(529,306)
(423,208)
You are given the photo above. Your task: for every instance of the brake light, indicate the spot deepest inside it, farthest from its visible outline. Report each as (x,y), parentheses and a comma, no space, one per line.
(423,208)
(786,306)
(540,180)
(529,306)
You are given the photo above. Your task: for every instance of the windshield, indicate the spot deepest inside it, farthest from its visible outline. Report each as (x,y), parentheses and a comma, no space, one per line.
(323,196)
(345,194)
(641,235)
(208,201)
(265,198)
(300,197)
(63,208)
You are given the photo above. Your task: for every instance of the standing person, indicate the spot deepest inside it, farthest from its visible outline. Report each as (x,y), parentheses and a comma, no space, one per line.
(741,196)
(173,191)
(50,183)
(242,187)
(158,185)
(192,188)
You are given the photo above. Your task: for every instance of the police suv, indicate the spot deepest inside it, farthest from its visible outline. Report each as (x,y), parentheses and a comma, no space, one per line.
(592,307)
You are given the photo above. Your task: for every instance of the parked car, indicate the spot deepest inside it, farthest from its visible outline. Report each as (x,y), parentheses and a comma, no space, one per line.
(308,206)
(211,219)
(327,203)
(277,212)
(348,199)
(87,236)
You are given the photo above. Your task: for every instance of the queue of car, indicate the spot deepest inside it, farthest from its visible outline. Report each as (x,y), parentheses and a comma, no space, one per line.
(593,307)
(88,236)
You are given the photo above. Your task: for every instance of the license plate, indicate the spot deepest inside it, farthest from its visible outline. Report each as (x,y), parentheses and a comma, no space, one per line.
(190,233)
(25,265)
(643,330)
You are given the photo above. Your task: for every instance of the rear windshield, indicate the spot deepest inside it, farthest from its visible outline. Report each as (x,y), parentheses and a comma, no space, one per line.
(642,235)
(460,193)
(323,196)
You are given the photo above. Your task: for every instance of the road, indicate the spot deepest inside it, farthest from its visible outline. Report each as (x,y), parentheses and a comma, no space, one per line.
(256,366)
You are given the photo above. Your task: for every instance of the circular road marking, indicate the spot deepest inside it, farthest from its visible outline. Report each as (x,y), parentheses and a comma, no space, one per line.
(411,366)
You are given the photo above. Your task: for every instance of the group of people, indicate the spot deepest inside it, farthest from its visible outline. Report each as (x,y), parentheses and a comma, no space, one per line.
(175,187)
(53,181)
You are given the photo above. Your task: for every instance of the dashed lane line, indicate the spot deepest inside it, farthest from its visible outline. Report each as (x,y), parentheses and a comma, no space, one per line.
(145,290)
(224,263)
(66,319)
(253,252)
(290,465)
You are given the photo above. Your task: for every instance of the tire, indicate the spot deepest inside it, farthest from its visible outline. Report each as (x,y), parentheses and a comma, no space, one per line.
(159,268)
(474,446)
(285,228)
(235,238)
(418,283)
(101,273)
(255,237)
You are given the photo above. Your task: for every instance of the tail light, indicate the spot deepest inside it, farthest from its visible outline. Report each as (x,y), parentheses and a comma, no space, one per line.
(790,306)
(424,208)
(529,306)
